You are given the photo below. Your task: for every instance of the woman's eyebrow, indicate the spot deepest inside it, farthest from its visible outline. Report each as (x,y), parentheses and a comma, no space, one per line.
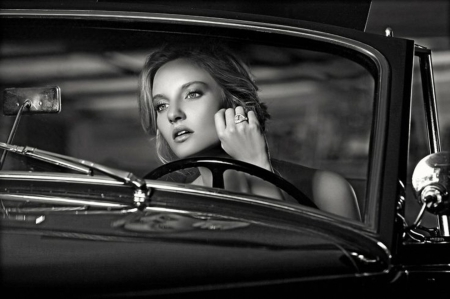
(191,83)
(158,97)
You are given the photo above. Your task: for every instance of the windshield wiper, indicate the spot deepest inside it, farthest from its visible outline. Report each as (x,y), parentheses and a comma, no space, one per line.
(141,194)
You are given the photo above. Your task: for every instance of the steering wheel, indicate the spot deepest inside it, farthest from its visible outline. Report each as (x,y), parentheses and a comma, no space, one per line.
(218,166)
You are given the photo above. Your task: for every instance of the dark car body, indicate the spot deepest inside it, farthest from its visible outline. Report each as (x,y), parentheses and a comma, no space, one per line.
(76,235)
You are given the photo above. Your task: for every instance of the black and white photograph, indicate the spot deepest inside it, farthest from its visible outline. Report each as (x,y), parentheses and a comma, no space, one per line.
(224,149)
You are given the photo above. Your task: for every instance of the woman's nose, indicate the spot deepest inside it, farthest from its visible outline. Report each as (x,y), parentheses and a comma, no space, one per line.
(175,113)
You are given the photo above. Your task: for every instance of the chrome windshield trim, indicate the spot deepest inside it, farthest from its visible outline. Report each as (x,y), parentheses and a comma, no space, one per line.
(61,200)
(382,82)
(201,20)
(59,178)
(164,187)
(258,201)
(157,185)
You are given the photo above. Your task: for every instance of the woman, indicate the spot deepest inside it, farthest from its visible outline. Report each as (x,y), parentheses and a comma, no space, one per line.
(202,101)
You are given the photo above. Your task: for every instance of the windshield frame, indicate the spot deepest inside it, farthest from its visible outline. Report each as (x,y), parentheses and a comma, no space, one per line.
(370,54)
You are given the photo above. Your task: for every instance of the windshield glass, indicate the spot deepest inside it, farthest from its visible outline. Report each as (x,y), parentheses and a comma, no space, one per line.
(320,103)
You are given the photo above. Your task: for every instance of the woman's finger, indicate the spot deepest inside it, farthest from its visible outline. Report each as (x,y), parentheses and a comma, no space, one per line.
(240,110)
(219,119)
(252,119)
(229,118)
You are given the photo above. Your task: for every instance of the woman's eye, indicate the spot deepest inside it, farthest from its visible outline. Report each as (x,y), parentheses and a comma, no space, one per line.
(193,95)
(161,107)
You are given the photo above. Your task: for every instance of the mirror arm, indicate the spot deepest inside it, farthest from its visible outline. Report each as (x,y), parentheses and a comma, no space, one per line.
(13,131)
(420,216)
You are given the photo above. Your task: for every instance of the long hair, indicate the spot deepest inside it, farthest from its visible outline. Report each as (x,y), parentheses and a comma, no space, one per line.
(230,73)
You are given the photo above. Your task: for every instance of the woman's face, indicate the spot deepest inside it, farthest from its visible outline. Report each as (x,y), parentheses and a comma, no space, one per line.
(186,98)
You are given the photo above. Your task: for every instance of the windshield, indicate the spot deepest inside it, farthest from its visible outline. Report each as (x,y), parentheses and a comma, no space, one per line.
(321,103)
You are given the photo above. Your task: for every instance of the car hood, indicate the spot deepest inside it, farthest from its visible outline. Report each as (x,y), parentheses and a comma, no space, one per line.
(187,237)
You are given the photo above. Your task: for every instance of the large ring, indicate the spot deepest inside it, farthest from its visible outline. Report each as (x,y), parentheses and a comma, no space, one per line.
(238,118)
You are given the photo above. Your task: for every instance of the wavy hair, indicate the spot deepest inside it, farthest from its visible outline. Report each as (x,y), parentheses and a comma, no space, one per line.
(230,73)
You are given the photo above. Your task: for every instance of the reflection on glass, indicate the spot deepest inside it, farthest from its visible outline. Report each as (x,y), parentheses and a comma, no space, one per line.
(174,222)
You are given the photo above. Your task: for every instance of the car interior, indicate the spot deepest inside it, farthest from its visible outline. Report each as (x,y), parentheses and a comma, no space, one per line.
(321,101)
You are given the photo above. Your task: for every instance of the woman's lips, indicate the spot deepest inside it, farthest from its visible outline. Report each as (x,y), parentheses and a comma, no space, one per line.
(181,134)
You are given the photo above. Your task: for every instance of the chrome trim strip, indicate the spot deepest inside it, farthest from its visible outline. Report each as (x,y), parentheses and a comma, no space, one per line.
(61,200)
(106,181)
(258,201)
(163,186)
(59,178)
(372,192)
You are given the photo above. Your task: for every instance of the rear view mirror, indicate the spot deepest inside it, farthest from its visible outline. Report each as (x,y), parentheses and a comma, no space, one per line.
(40,100)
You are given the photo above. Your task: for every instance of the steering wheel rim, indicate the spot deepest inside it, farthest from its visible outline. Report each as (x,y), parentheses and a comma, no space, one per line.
(218,166)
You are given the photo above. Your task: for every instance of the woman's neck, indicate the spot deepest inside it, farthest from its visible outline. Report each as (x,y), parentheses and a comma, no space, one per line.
(215,151)
(205,178)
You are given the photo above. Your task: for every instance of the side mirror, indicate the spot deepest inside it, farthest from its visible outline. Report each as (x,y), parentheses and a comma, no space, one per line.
(38,100)
(33,100)
(431,182)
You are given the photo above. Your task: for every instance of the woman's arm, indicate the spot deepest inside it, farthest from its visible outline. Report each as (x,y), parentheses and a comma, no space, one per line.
(332,193)
(245,142)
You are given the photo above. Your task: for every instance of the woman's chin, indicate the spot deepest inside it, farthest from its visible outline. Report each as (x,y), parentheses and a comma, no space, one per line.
(210,152)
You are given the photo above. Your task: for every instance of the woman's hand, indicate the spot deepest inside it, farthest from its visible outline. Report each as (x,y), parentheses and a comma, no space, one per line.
(243,141)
